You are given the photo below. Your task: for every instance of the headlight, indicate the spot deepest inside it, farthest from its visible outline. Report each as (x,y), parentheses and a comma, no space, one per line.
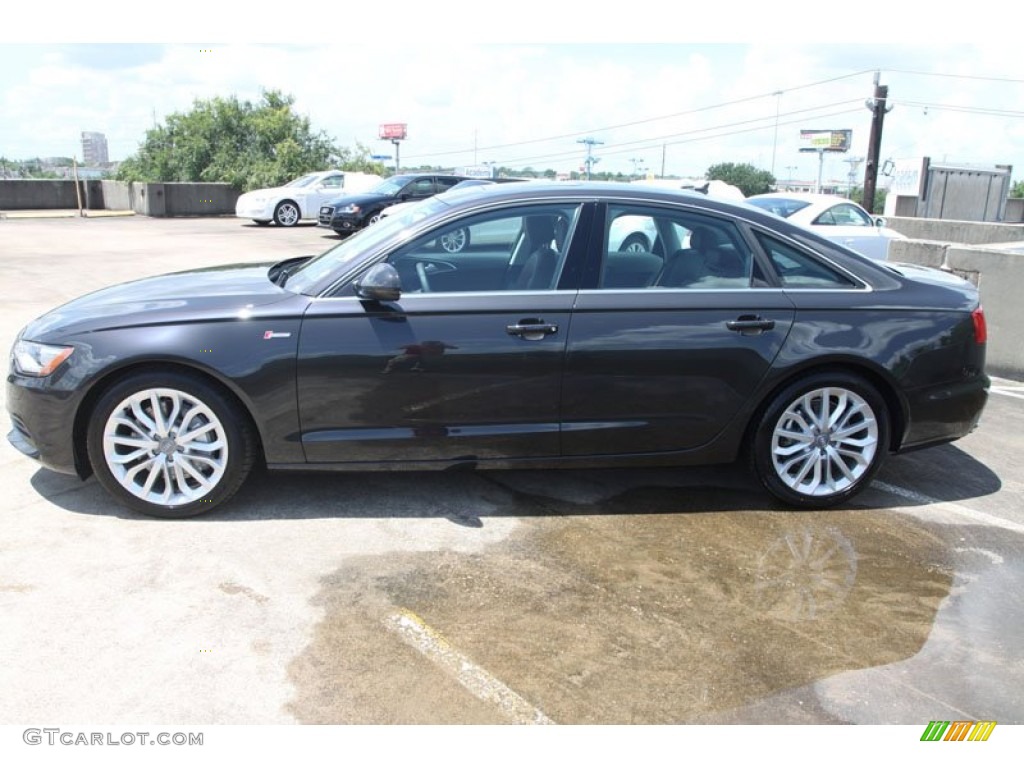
(33,359)
(350,208)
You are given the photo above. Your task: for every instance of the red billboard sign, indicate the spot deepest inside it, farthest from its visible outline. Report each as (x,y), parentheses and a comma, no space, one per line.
(392,130)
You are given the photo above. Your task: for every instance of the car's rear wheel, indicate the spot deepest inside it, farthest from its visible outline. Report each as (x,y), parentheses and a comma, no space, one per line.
(821,440)
(169,445)
(287,214)
(455,241)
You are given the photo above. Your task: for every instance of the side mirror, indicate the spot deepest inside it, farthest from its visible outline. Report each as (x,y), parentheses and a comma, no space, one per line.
(880,221)
(381,283)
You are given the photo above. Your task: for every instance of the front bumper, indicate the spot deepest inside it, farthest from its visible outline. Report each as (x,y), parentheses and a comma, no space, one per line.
(255,211)
(42,419)
(337,220)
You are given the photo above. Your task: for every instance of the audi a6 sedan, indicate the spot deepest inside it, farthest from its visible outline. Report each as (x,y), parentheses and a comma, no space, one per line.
(737,335)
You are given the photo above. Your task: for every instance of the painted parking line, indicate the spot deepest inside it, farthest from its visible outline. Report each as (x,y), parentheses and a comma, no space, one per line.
(946,511)
(478,681)
(1017,392)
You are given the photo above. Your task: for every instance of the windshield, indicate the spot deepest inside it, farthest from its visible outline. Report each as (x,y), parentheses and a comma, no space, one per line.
(390,186)
(303,181)
(364,242)
(780,206)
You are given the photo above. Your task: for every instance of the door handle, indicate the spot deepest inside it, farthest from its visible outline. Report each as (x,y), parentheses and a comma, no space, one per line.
(531,330)
(750,324)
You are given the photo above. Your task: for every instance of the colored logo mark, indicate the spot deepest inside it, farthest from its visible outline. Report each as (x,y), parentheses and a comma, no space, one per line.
(958,730)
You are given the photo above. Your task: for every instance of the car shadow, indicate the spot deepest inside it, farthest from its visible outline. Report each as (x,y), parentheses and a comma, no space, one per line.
(468,497)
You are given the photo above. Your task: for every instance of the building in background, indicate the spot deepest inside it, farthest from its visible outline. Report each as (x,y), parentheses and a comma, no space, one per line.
(94,149)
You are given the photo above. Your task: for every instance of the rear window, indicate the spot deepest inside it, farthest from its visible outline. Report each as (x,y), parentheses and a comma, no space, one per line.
(780,206)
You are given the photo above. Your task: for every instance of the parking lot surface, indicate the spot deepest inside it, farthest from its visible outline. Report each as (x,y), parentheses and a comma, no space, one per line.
(626,596)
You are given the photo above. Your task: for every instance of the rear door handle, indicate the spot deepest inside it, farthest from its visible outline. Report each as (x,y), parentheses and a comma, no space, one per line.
(750,324)
(531,330)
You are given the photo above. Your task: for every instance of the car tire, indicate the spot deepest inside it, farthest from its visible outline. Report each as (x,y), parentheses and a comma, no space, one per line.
(636,243)
(373,218)
(455,241)
(821,440)
(287,213)
(143,461)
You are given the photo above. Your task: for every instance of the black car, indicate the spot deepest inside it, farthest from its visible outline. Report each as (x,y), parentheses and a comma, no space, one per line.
(353,212)
(736,334)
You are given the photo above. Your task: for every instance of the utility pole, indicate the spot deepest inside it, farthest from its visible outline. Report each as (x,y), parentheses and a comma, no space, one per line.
(590,142)
(878,106)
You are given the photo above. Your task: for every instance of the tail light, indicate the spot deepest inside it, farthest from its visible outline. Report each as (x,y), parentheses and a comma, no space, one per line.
(980,329)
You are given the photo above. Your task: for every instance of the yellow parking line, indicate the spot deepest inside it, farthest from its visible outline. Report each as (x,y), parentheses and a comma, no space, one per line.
(478,681)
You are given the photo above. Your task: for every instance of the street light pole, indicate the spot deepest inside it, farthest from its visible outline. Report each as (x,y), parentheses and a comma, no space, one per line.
(590,142)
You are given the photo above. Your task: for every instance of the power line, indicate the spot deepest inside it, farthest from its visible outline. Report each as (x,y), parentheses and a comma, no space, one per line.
(961,108)
(632,123)
(961,77)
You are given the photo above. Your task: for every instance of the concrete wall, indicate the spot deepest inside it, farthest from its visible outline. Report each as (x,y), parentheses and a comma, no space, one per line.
(184,199)
(971,232)
(999,275)
(36,194)
(1014,209)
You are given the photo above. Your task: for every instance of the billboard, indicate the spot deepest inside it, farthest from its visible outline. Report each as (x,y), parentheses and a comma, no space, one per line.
(825,141)
(392,130)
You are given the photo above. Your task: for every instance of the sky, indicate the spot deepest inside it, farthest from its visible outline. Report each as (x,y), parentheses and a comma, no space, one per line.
(664,88)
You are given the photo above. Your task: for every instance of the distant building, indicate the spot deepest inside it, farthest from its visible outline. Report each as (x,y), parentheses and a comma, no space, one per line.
(94,148)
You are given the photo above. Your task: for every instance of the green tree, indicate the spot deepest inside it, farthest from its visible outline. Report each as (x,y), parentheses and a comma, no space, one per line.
(857,195)
(750,180)
(246,145)
(1017,190)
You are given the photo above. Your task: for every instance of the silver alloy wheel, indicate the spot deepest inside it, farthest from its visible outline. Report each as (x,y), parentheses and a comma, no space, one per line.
(455,241)
(165,447)
(375,218)
(635,243)
(287,214)
(824,441)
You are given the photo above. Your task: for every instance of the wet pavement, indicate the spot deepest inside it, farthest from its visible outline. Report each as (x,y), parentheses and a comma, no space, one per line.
(626,596)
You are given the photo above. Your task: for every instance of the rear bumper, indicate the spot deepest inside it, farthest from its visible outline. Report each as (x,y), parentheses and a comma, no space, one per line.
(943,413)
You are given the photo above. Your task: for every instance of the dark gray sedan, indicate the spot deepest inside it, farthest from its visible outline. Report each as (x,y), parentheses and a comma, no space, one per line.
(733,334)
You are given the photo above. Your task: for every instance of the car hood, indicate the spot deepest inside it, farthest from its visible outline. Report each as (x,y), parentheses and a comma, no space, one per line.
(204,294)
(362,199)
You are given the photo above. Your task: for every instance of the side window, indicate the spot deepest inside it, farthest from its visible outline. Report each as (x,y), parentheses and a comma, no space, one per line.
(520,249)
(849,216)
(444,184)
(648,247)
(333,182)
(826,219)
(797,269)
(420,188)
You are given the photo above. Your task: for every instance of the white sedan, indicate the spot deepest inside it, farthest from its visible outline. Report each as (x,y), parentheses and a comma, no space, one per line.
(838,219)
(301,198)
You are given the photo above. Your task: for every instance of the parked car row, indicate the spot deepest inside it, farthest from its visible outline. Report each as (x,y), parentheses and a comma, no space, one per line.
(301,198)
(347,202)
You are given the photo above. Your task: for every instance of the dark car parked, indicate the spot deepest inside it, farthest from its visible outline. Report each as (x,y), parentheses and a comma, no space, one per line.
(737,334)
(353,212)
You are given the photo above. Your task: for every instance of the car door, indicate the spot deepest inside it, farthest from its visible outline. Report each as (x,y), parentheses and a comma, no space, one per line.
(665,350)
(847,224)
(466,365)
(329,188)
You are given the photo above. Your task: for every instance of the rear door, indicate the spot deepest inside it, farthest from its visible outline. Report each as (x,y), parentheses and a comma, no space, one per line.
(667,346)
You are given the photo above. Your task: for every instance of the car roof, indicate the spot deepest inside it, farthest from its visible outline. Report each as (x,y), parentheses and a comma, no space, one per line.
(807,197)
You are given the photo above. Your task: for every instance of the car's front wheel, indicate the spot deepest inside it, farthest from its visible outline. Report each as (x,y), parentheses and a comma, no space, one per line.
(168,444)
(821,440)
(287,214)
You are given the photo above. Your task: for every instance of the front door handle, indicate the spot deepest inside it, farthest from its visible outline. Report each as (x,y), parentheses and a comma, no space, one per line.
(531,330)
(750,324)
